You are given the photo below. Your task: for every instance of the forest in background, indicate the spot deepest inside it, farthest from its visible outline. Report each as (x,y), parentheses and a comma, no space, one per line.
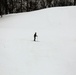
(16,6)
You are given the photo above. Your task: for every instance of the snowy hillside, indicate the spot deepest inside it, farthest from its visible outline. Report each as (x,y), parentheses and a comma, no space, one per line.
(54,53)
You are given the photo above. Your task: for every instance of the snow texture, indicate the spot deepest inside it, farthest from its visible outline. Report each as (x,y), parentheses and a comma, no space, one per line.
(54,53)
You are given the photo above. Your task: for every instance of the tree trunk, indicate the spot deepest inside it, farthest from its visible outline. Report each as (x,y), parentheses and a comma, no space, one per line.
(21,5)
(74,2)
(6,7)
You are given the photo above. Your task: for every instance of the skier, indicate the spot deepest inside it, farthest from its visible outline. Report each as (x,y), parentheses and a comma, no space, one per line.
(35,35)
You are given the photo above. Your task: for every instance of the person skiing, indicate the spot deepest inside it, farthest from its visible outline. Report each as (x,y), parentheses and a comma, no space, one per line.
(35,35)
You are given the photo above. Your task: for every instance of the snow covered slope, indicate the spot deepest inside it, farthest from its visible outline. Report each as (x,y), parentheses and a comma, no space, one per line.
(54,53)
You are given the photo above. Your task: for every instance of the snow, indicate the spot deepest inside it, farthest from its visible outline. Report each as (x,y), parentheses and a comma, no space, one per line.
(54,53)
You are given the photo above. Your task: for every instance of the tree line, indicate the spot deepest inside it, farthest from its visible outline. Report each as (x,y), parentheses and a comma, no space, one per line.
(16,6)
